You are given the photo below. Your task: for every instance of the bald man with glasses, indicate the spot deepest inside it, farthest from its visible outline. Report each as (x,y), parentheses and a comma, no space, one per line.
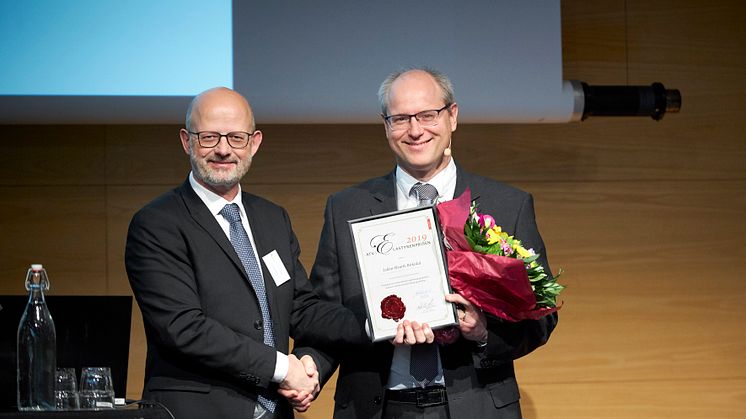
(216,274)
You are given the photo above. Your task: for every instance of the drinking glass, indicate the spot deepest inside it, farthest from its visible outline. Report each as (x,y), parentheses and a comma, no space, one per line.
(66,389)
(96,389)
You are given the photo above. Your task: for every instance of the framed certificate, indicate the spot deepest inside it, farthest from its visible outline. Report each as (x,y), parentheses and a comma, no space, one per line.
(403,270)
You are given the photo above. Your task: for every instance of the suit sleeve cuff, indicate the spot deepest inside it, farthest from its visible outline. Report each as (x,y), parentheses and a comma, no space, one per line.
(281,368)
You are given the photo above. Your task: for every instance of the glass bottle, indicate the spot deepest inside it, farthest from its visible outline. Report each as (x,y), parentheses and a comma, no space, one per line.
(37,346)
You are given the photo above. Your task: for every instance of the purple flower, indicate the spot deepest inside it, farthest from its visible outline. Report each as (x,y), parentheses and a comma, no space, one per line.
(486,221)
(506,248)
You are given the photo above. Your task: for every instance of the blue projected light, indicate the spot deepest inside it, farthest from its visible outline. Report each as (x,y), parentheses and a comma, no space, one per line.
(142,61)
(111,48)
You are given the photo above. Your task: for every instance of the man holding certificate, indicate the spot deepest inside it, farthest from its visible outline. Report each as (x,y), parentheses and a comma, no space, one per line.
(474,376)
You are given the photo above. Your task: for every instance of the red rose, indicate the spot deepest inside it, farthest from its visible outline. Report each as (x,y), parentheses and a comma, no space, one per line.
(392,308)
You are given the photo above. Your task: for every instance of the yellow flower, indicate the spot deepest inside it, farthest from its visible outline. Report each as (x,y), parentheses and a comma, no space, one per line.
(522,252)
(494,234)
(492,237)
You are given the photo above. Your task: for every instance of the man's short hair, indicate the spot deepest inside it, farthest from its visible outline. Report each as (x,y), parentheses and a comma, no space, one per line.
(443,81)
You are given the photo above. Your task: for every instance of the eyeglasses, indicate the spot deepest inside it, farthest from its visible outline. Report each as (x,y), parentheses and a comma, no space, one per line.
(210,139)
(425,118)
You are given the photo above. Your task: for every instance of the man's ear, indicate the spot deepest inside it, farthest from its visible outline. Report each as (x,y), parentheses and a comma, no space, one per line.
(185,143)
(255,142)
(454,116)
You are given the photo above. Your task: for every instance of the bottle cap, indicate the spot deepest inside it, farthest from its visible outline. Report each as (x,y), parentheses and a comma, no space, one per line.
(36,266)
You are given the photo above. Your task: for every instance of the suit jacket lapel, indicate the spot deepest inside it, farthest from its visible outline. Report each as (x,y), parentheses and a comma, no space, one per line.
(202,216)
(383,192)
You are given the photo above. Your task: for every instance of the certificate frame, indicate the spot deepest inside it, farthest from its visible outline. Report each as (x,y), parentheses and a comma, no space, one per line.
(403,270)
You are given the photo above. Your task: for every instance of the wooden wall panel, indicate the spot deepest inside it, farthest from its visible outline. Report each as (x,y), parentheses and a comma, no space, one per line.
(62,227)
(52,155)
(594,44)
(652,275)
(664,399)
(304,154)
(679,147)
(145,155)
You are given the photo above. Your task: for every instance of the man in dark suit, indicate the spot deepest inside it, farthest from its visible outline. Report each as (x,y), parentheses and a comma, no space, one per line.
(216,275)
(474,376)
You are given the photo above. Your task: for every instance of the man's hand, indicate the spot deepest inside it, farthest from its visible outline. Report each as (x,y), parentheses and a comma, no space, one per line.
(411,333)
(471,320)
(301,385)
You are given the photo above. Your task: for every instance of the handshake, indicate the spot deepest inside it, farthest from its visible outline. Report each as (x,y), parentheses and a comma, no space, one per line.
(301,385)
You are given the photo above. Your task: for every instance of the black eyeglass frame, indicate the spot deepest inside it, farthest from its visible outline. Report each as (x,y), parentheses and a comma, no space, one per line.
(220,137)
(387,118)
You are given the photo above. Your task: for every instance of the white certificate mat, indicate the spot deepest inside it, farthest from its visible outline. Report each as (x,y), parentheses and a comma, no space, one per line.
(402,270)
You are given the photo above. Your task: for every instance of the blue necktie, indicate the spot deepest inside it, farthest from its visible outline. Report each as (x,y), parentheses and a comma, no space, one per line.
(242,244)
(423,358)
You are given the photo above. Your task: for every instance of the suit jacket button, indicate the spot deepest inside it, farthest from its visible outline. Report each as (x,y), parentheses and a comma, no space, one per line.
(377,400)
(258,325)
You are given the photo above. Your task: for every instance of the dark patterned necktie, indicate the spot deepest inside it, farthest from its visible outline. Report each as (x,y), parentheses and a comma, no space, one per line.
(425,193)
(423,359)
(242,244)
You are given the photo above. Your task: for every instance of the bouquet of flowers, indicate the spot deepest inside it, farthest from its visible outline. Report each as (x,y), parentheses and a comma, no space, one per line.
(491,268)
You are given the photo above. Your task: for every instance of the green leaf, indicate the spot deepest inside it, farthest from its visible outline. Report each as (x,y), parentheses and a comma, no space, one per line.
(531,258)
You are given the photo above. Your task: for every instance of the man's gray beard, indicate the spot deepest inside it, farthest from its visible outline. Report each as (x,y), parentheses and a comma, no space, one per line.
(206,177)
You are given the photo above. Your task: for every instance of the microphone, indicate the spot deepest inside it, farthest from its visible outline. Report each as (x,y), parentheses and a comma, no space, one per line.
(447,151)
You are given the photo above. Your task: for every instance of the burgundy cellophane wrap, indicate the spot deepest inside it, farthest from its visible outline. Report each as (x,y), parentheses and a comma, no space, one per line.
(496,284)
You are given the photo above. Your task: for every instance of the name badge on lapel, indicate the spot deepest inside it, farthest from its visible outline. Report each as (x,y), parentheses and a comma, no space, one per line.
(276,268)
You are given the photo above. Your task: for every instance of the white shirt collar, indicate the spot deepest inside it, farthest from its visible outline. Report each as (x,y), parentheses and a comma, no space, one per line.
(444,181)
(215,202)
